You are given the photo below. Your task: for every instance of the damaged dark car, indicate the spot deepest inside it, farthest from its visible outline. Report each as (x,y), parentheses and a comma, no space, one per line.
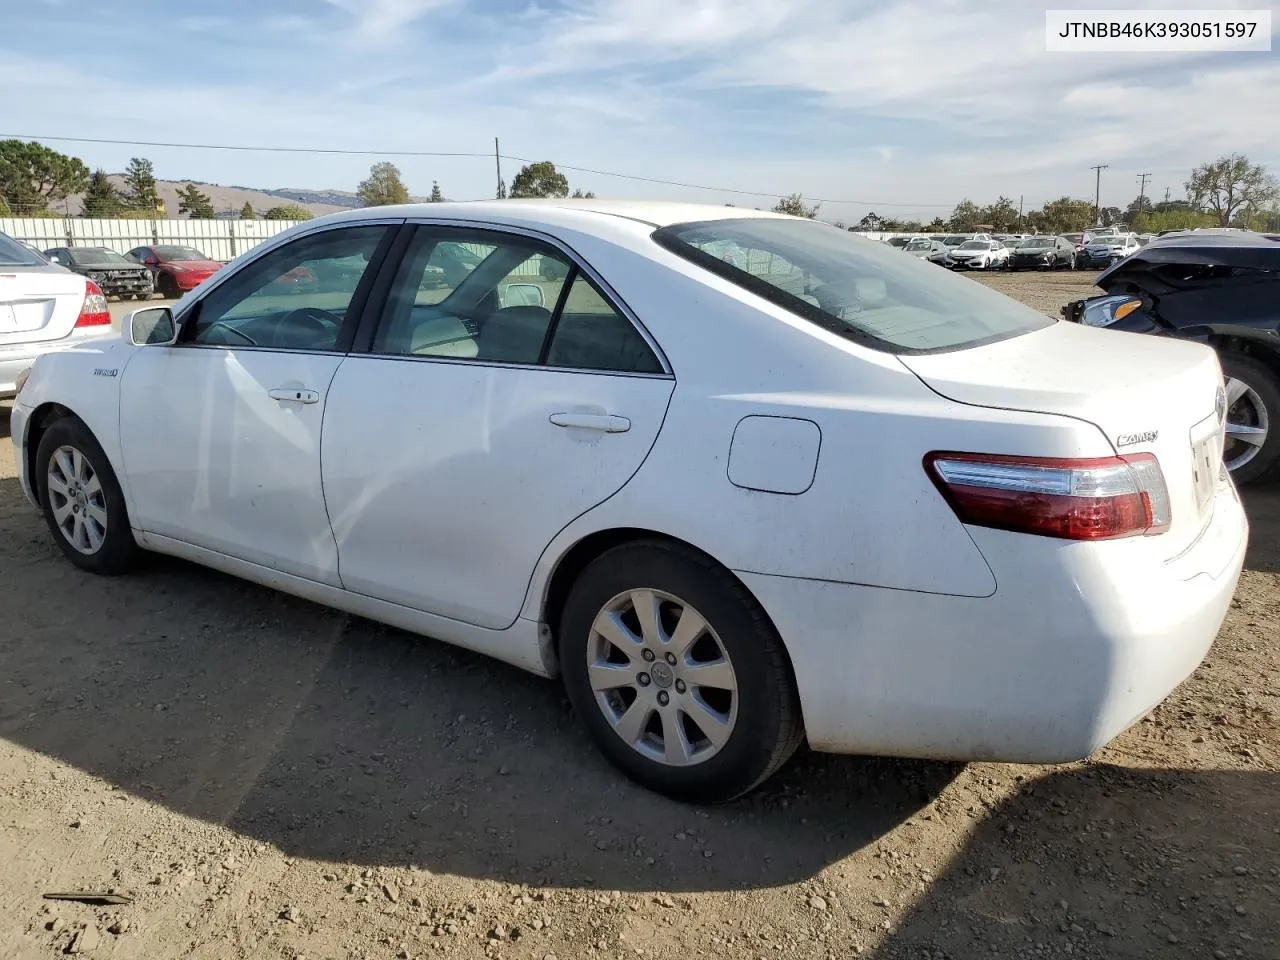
(116,275)
(1222,290)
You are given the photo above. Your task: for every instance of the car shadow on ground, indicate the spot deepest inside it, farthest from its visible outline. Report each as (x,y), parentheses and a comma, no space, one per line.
(1262,503)
(1111,862)
(337,739)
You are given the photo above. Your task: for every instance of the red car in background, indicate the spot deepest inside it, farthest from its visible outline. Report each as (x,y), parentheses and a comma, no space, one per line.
(176,269)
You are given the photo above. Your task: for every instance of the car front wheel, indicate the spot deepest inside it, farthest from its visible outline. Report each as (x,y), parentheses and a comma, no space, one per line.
(81,499)
(1252,448)
(677,673)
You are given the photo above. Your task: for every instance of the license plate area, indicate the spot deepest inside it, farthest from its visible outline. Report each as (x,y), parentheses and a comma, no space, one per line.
(1206,461)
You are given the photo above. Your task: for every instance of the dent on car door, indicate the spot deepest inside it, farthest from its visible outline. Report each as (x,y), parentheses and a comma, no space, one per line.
(492,407)
(221,432)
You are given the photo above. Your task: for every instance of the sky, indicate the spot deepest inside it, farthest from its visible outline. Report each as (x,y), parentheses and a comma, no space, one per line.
(902,107)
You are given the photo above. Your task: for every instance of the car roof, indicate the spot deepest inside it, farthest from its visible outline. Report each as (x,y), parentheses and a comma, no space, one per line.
(590,216)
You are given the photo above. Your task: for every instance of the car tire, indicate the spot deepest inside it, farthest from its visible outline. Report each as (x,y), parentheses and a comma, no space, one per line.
(1263,386)
(169,287)
(655,727)
(81,499)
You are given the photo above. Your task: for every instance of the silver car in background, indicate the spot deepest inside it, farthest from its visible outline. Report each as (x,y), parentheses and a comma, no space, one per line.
(43,307)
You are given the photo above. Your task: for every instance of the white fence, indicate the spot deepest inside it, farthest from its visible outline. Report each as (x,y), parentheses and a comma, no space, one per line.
(220,239)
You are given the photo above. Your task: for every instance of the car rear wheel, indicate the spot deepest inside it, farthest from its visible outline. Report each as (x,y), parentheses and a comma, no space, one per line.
(677,673)
(1252,449)
(81,499)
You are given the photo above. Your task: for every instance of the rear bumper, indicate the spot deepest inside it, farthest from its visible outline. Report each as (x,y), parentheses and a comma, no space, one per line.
(1071,649)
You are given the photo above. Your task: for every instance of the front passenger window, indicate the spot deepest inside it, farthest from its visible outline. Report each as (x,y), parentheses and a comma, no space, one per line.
(294,298)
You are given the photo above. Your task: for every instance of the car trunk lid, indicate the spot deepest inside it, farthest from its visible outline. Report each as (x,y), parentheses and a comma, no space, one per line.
(1146,395)
(38,303)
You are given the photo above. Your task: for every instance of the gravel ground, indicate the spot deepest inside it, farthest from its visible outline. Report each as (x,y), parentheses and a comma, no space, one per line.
(269,779)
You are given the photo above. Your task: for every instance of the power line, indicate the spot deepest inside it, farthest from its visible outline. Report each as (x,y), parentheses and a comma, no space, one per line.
(439,153)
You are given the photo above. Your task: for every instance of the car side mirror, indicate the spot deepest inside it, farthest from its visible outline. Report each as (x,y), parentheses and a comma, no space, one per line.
(152,327)
(522,295)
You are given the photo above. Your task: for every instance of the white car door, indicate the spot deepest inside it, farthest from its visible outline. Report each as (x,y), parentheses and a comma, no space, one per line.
(221,431)
(494,405)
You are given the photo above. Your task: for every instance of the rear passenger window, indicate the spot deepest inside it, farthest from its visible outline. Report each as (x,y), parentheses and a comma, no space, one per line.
(592,335)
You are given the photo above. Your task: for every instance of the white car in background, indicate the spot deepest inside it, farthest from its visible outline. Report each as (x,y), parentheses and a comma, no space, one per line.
(978,255)
(43,307)
(741,480)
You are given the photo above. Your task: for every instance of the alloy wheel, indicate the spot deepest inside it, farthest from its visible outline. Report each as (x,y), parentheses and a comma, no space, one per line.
(662,678)
(1247,424)
(77,500)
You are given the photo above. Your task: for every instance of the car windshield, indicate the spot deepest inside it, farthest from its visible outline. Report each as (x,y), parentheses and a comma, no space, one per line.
(853,287)
(14,254)
(179,253)
(974,245)
(1036,243)
(954,241)
(919,245)
(82,256)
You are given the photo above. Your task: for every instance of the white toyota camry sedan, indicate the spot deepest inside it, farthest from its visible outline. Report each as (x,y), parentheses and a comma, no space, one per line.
(740,480)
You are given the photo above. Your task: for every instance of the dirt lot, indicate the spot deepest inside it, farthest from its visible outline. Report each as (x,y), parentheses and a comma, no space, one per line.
(269,779)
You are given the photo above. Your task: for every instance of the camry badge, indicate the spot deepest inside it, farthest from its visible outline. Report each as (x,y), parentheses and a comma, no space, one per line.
(1220,404)
(1129,439)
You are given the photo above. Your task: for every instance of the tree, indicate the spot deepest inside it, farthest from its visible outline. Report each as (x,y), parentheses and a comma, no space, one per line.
(539,180)
(1063,215)
(966,216)
(1111,216)
(794,205)
(1002,215)
(1231,185)
(436,195)
(579,195)
(246,212)
(32,175)
(196,205)
(140,189)
(871,223)
(383,186)
(1136,210)
(101,198)
(288,211)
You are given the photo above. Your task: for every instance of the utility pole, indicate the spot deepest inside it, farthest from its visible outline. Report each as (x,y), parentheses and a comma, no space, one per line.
(1142,193)
(1019,206)
(1166,194)
(1097,192)
(497,162)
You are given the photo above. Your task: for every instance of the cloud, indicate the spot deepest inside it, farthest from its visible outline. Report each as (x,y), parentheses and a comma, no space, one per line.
(384,20)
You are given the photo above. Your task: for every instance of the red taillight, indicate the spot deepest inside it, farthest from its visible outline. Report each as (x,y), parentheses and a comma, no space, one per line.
(93,312)
(1093,499)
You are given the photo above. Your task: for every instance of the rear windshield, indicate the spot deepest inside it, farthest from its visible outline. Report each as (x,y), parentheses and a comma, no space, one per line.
(14,254)
(975,245)
(854,287)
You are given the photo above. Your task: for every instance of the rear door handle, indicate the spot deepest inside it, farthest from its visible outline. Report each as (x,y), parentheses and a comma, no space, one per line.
(294,395)
(604,422)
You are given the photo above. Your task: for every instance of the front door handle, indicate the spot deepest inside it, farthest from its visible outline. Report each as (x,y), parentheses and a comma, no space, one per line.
(604,422)
(294,395)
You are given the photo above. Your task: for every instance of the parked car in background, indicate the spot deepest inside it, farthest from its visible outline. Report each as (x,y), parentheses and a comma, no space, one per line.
(175,269)
(612,503)
(927,248)
(43,307)
(1077,240)
(1103,251)
(1043,253)
(1222,290)
(978,255)
(115,275)
(955,239)
(899,242)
